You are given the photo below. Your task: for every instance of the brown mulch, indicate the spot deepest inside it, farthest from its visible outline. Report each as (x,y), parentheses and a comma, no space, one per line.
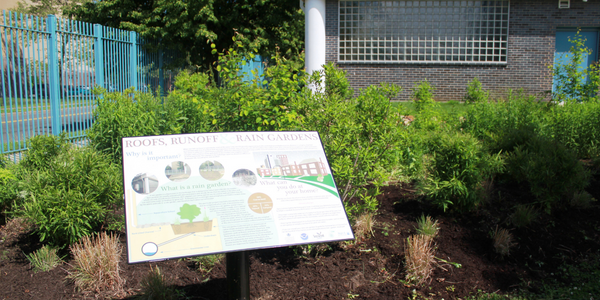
(371,269)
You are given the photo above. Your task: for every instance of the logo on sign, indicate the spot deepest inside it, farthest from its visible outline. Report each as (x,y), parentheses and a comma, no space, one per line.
(304,236)
(318,235)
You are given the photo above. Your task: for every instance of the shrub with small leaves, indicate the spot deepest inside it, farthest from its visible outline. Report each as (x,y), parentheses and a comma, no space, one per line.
(475,93)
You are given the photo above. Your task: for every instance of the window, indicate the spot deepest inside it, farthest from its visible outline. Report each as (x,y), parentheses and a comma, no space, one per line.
(434,31)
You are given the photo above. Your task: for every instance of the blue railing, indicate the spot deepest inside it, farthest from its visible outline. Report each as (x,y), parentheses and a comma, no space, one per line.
(48,67)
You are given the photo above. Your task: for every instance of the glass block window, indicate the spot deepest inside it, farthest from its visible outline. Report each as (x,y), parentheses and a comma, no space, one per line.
(434,31)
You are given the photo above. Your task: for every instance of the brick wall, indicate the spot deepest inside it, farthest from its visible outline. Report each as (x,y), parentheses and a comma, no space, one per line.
(532,30)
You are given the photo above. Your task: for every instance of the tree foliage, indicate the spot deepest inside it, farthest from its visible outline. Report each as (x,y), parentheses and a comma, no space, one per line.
(190,27)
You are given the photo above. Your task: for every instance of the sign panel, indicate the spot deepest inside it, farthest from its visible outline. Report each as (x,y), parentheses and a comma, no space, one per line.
(207,193)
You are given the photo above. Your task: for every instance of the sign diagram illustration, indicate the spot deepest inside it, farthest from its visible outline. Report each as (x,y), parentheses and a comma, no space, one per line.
(200,194)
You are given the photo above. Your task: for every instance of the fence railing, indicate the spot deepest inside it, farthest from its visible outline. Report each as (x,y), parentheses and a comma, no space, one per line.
(49,66)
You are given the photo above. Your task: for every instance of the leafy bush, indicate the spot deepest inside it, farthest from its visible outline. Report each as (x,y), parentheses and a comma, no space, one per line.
(576,126)
(359,135)
(423,96)
(71,196)
(457,167)
(8,192)
(236,105)
(475,93)
(495,122)
(129,113)
(552,172)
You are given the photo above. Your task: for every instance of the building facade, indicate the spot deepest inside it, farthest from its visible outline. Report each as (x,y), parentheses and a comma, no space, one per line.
(506,44)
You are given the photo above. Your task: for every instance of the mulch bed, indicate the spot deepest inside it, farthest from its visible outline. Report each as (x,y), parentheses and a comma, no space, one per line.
(371,269)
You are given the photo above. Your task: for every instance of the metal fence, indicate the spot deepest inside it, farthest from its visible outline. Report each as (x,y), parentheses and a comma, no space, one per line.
(49,66)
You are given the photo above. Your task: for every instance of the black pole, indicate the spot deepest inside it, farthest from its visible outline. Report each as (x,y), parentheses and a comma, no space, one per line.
(238,275)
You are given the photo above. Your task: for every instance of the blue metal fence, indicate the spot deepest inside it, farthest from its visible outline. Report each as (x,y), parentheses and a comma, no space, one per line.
(49,66)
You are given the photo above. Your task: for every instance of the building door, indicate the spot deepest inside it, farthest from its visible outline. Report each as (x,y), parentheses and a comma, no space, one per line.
(563,46)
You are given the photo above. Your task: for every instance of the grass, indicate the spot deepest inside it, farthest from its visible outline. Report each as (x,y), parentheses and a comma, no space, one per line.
(155,286)
(427,226)
(523,216)
(503,241)
(419,258)
(364,225)
(44,259)
(96,263)
(207,262)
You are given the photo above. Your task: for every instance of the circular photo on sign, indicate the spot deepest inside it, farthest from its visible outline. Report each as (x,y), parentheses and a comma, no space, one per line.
(260,203)
(212,170)
(144,183)
(149,249)
(244,177)
(178,171)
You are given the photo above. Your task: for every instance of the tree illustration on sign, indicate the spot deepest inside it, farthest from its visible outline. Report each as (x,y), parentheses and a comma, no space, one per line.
(189,212)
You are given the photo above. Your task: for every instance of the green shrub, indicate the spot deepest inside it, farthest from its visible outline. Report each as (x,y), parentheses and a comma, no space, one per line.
(423,96)
(235,105)
(129,113)
(576,126)
(496,123)
(42,149)
(456,169)
(552,172)
(72,196)
(359,135)
(475,93)
(8,192)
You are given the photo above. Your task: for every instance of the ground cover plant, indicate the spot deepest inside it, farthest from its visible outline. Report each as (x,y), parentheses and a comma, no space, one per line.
(496,201)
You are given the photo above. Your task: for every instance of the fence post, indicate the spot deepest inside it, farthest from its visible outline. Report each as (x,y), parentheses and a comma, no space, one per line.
(55,107)
(161,76)
(133,58)
(98,55)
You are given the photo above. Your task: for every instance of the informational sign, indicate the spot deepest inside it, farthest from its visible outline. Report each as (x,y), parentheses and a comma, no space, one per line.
(207,193)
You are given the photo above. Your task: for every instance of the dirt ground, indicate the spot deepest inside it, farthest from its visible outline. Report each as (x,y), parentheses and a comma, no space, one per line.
(371,269)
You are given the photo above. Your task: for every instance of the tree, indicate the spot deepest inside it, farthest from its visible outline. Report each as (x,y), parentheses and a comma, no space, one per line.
(42,8)
(190,27)
(189,212)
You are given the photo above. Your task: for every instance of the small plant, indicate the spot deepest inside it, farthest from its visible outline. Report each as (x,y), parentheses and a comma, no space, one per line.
(155,286)
(207,262)
(503,241)
(419,258)
(582,199)
(475,93)
(523,216)
(44,259)
(427,226)
(364,225)
(423,96)
(96,264)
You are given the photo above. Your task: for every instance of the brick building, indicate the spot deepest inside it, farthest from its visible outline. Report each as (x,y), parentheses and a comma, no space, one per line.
(506,44)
